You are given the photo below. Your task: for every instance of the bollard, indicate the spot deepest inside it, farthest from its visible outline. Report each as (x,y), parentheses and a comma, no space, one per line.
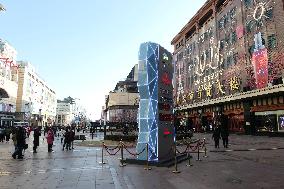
(189,164)
(198,153)
(147,154)
(122,164)
(120,142)
(205,149)
(175,152)
(102,162)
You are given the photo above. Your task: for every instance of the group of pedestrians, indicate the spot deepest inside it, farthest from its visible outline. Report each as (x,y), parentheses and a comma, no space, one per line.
(221,130)
(5,133)
(19,135)
(68,138)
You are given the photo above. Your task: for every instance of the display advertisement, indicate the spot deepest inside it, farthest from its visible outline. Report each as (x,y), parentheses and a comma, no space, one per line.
(242,52)
(155,116)
(116,99)
(281,122)
(260,63)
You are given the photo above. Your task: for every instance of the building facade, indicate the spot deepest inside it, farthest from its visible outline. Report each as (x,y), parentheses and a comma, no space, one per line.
(8,83)
(64,113)
(122,102)
(36,101)
(229,59)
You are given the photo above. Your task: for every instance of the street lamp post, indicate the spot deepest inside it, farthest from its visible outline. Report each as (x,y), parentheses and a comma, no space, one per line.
(28,113)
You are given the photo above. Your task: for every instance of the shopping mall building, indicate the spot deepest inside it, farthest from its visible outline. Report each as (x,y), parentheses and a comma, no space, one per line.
(229,59)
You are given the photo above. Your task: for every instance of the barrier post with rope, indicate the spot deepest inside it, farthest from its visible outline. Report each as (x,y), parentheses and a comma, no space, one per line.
(102,162)
(205,149)
(188,156)
(147,155)
(198,151)
(122,164)
(175,153)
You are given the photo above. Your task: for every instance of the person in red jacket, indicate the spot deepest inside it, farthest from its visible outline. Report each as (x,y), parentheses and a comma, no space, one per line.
(50,139)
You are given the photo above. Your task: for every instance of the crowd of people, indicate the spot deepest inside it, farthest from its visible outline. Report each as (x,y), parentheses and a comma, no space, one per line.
(20,134)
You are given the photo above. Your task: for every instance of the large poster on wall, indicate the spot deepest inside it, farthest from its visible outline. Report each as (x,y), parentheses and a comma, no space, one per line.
(281,122)
(260,64)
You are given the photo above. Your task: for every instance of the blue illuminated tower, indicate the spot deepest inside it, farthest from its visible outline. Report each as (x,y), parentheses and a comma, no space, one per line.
(155,116)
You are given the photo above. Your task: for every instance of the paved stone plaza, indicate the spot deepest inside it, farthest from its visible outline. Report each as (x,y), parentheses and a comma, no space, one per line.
(80,168)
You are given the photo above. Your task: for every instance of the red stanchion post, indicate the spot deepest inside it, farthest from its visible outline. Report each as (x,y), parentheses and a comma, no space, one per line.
(205,149)
(198,151)
(147,155)
(102,162)
(188,156)
(175,152)
(122,164)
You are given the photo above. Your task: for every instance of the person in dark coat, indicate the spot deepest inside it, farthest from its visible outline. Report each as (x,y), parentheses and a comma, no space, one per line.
(224,131)
(7,134)
(21,143)
(66,140)
(216,136)
(36,139)
(72,138)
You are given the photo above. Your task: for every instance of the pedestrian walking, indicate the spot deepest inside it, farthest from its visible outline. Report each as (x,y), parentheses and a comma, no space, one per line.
(72,138)
(50,139)
(14,138)
(61,133)
(7,134)
(36,139)
(66,143)
(21,143)
(216,136)
(2,135)
(224,130)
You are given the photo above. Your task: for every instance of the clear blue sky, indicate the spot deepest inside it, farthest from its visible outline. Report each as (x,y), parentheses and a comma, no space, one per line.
(82,48)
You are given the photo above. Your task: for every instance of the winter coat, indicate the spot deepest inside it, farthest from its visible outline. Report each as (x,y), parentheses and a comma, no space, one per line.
(216,134)
(50,137)
(36,137)
(21,137)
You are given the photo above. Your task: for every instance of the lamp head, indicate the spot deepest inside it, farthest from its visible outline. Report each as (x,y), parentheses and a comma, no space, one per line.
(2,8)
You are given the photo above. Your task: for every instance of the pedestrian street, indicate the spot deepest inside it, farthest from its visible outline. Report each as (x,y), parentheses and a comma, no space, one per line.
(81,167)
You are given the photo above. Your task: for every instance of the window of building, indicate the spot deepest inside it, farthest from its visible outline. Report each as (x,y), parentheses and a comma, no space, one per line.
(235,58)
(234,37)
(248,3)
(251,49)
(271,41)
(269,14)
(221,23)
(222,44)
(249,27)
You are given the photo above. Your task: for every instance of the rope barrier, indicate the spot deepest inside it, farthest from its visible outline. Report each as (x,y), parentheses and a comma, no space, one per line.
(184,150)
(112,154)
(134,154)
(112,148)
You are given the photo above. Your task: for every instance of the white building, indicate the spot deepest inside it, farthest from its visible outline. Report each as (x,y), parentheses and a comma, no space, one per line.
(36,100)
(64,113)
(8,83)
